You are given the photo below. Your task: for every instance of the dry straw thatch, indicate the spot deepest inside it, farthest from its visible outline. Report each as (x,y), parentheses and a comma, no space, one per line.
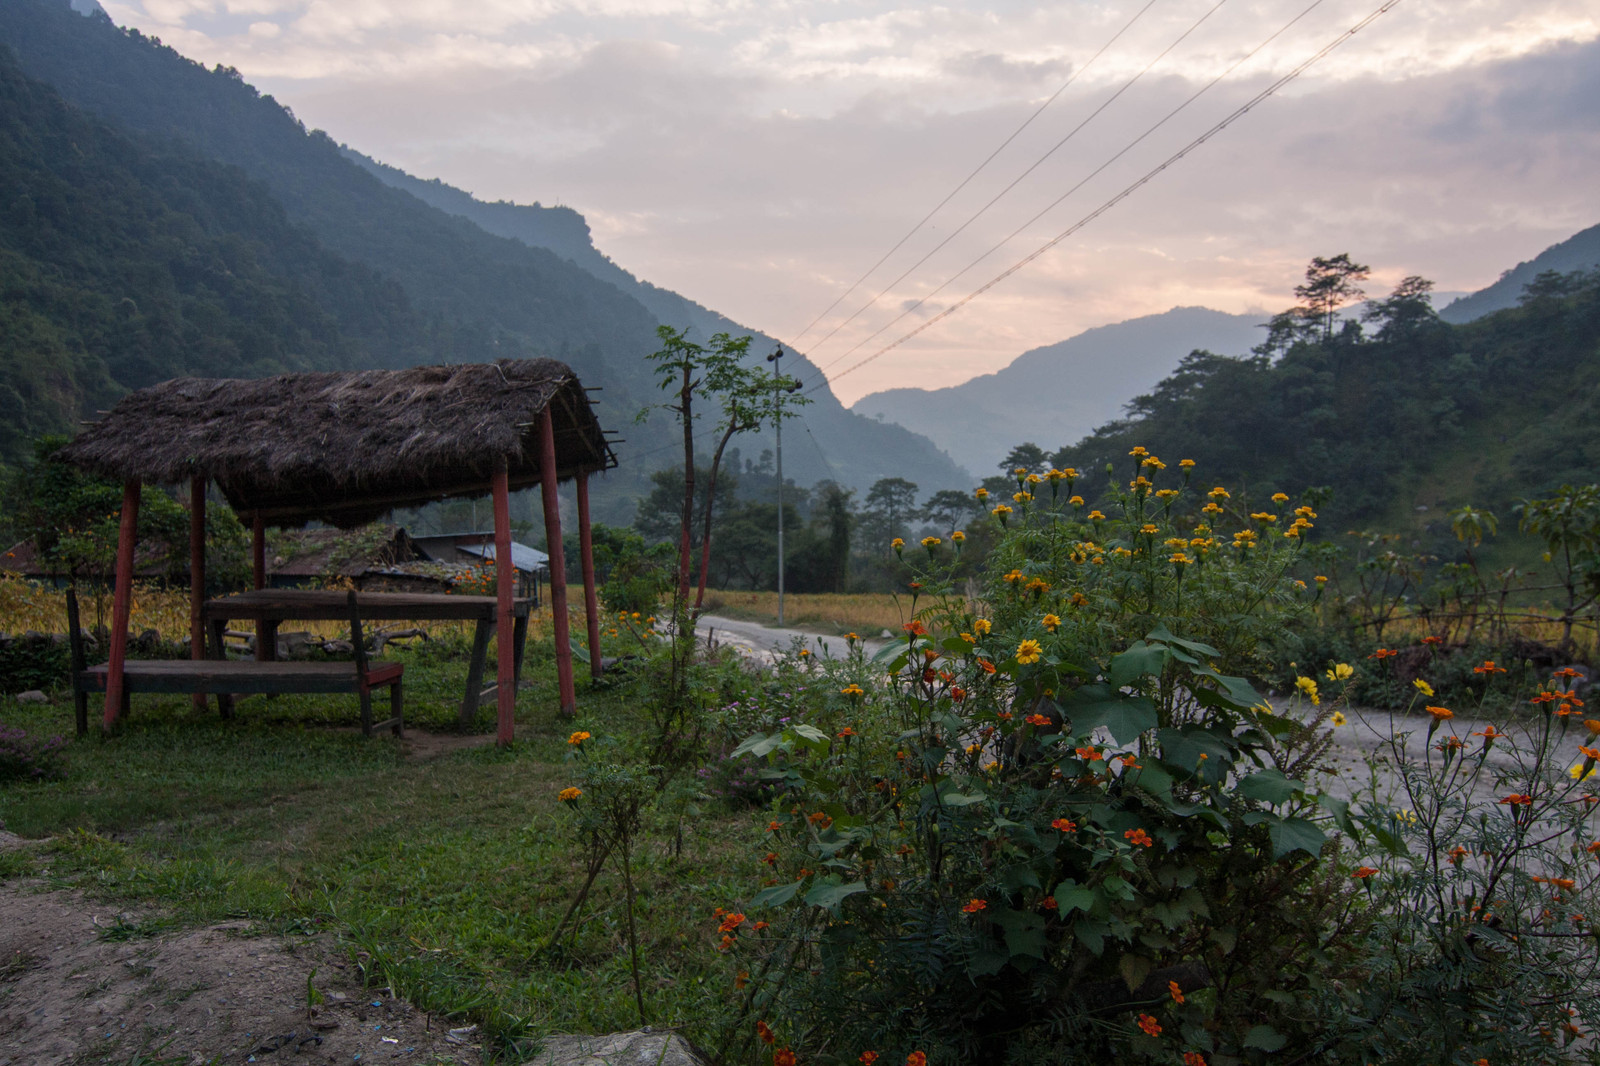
(348,447)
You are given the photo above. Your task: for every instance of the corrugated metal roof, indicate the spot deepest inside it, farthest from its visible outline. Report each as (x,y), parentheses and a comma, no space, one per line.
(524,558)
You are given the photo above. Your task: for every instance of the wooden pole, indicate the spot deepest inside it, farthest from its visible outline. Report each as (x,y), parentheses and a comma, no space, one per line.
(197,574)
(265,637)
(122,601)
(591,604)
(505,646)
(558,563)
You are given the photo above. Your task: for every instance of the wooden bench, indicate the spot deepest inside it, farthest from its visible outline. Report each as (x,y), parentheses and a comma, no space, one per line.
(225,678)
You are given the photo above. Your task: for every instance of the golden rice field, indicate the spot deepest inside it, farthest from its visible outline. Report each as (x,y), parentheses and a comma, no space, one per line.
(867,613)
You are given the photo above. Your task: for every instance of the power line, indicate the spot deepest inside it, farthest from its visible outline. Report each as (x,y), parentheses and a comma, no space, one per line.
(1129,190)
(1014,183)
(966,181)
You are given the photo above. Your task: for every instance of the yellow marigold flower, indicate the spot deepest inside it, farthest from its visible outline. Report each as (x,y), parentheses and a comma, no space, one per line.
(1055,475)
(1000,510)
(1077,501)
(1181,559)
(1139,451)
(1186,464)
(1423,687)
(1211,508)
(931,542)
(1153,463)
(1019,471)
(1140,484)
(1098,560)
(567,795)
(578,738)
(1321,579)
(897,543)
(982,627)
(1079,599)
(1263,516)
(1034,479)
(852,690)
(1301,585)
(1166,494)
(1219,493)
(973,749)
(1014,577)
(1293,532)
(1338,718)
(1341,672)
(1440,713)
(957,537)
(1094,516)
(1071,473)
(1121,552)
(1038,586)
(1177,543)
(1051,622)
(982,494)
(1149,530)
(1308,686)
(1305,512)
(1029,651)
(1022,497)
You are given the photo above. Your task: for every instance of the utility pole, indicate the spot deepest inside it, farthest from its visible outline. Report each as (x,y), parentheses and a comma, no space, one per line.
(777,372)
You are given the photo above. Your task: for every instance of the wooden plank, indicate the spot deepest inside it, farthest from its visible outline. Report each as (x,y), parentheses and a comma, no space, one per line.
(317,605)
(230,676)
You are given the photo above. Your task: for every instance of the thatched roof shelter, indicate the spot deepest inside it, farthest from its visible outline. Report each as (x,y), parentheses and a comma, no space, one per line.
(346,448)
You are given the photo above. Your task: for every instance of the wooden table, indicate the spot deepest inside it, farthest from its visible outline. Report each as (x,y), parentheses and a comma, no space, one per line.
(270,607)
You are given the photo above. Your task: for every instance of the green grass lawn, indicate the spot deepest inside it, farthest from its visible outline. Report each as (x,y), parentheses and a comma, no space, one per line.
(450,867)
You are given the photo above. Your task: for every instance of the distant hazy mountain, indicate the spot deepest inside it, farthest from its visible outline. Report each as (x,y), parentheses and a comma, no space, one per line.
(1581,251)
(1057,394)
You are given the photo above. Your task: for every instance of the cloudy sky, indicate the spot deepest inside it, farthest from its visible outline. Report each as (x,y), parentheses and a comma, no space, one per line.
(761,155)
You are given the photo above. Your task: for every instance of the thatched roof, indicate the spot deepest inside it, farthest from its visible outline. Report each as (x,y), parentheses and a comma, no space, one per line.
(348,448)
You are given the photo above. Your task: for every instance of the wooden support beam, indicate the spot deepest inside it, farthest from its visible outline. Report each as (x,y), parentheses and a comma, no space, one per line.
(121,603)
(558,566)
(591,603)
(505,577)
(197,574)
(266,633)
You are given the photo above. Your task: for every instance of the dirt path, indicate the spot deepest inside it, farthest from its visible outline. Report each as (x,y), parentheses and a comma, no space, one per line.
(78,985)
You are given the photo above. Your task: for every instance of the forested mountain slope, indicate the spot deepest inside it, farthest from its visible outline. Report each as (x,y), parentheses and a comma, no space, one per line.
(1398,419)
(1581,251)
(473,295)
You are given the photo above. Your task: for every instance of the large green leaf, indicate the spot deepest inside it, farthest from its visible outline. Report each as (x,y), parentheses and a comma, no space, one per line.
(830,896)
(1024,932)
(1164,635)
(1270,786)
(1295,834)
(776,895)
(1138,661)
(1265,1037)
(1071,896)
(758,744)
(1093,706)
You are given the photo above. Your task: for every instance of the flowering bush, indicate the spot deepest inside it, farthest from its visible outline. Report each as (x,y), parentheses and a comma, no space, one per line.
(1052,808)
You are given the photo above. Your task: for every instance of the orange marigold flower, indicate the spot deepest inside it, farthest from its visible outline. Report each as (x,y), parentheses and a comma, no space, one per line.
(916,1058)
(730,923)
(1517,799)
(1363,872)
(773,827)
(1177,992)
(578,738)
(915,628)
(1457,854)
(1383,653)
(764,1031)
(958,693)
(1193,1058)
(1488,667)
(783,1057)
(973,906)
(1064,825)
(568,795)
(1037,719)
(1433,640)
(1441,713)
(1149,1025)
(986,665)
(868,1058)
(1138,837)
(1088,754)
(847,731)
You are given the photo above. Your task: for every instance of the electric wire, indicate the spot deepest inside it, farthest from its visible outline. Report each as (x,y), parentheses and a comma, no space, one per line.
(1014,182)
(1126,192)
(967,180)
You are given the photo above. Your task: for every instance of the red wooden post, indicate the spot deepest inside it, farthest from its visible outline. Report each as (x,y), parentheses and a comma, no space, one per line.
(122,601)
(505,645)
(591,606)
(265,636)
(558,563)
(197,573)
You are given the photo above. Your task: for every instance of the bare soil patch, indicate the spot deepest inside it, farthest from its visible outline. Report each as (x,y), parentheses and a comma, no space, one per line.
(80,983)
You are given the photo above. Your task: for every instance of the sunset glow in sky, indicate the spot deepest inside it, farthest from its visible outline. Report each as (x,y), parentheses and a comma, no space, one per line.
(759,157)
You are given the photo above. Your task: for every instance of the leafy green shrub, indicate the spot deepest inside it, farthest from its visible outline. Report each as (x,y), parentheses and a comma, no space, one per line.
(26,758)
(34,662)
